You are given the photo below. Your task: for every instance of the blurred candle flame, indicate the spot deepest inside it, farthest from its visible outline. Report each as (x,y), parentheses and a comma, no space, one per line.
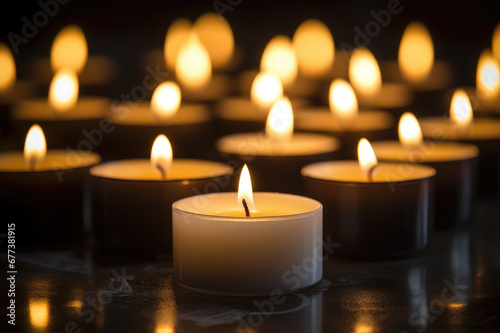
(63,91)
(487,75)
(367,160)
(193,68)
(410,133)
(35,147)
(279,124)
(279,58)
(416,53)
(461,112)
(177,34)
(266,89)
(364,72)
(165,101)
(216,34)
(343,103)
(7,68)
(39,313)
(69,50)
(495,43)
(161,156)
(245,189)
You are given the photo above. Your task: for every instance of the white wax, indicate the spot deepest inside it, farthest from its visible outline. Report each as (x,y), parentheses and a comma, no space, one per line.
(350,172)
(13,161)
(140,169)
(437,128)
(39,109)
(428,152)
(259,144)
(247,255)
(142,115)
(321,119)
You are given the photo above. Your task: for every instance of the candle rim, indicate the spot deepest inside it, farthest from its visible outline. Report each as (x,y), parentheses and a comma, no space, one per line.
(51,153)
(429,124)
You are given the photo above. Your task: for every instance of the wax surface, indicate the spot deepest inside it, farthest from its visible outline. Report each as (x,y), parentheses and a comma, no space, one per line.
(428,152)
(349,171)
(55,160)
(240,108)
(259,144)
(442,129)
(39,109)
(390,96)
(142,115)
(440,76)
(140,169)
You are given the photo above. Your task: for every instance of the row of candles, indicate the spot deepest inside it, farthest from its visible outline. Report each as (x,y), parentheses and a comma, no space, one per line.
(373,209)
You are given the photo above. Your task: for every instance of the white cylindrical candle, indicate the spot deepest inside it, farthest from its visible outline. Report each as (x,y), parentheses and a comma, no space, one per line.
(219,250)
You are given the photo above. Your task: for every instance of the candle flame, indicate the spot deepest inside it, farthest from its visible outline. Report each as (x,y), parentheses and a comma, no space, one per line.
(161,156)
(63,91)
(216,34)
(177,35)
(35,147)
(279,58)
(165,101)
(343,103)
(39,313)
(367,159)
(410,134)
(266,89)
(461,112)
(487,75)
(416,53)
(279,124)
(495,44)
(193,67)
(7,68)
(245,189)
(314,47)
(69,50)
(364,72)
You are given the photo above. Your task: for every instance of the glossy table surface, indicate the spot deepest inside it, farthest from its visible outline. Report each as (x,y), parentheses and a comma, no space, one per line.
(454,286)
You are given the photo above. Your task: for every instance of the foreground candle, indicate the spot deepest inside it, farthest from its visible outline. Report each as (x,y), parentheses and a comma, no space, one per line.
(373,209)
(218,249)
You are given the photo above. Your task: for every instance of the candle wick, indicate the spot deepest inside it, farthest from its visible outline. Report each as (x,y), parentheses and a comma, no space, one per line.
(247,212)
(370,172)
(162,171)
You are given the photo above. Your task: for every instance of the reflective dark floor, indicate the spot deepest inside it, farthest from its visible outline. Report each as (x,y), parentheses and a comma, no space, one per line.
(453,287)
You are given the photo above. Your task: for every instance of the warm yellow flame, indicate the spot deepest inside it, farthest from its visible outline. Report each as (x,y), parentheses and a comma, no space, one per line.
(364,72)
(461,112)
(245,189)
(367,159)
(193,68)
(177,35)
(161,156)
(39,313)
(279,125)
(63,91)
(216,34)
(416,53)
(410,134)
(487,75)
(266,89)
(314,47)
(495,44)
(279,58)
(166,100)
(343,103)
(35,147)
(164,328)
(7,68)
(69,50)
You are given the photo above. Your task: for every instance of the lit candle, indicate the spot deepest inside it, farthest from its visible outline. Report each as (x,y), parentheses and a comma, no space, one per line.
(225,246)
(132,198)
(343,119)
(487,93)
(484,133)
(373,209)
(43,191)
(455,164)
(277,155)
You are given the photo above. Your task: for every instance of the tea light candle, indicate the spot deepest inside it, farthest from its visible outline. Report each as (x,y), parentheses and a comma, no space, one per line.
(455,164)
(462,127)
(344,121)
(218,249)
(44,192)
(373,209)
(128,191)
(277,156)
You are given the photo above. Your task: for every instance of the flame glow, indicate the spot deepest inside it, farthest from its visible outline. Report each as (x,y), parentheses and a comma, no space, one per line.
(279,124)
(166,100)
(495,44)
(367,159)
(314,47)
(364,72)
(279,58)
(461,112)
(216,34)
(487,75)
(177,35)
(416,53)
(266,89)
(343,103)
(69,50)
(245,189)
(63,91)
(410,134)
(7,68)
(161,156)
(39,313)
(193,68)
(35,147)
